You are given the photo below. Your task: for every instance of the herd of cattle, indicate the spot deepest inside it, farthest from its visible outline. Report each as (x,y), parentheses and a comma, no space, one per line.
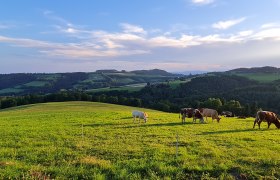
(201,113)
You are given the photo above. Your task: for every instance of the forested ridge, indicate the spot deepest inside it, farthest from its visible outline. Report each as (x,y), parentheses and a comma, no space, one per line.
(222,92)
(42,83)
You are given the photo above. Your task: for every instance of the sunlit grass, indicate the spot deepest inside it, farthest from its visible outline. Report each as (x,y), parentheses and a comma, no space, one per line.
(100,141)
(261,77)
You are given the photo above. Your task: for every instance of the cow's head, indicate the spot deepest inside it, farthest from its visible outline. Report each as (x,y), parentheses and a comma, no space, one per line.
(145,116)
(218,119)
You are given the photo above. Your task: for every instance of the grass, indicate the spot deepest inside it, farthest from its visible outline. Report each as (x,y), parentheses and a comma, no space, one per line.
(84,140)
(261,77)
(176,83)
(10,90)
(130,88)
(37,84)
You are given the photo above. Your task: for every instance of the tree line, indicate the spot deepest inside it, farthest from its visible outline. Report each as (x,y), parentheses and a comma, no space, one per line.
(221,92)
(163,105)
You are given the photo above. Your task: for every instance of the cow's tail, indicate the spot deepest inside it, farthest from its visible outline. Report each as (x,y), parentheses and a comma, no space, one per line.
(179,115)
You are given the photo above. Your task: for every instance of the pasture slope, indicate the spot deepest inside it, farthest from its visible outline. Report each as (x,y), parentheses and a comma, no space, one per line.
(84,140)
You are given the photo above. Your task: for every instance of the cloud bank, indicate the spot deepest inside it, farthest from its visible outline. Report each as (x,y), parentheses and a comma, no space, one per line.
(134,46)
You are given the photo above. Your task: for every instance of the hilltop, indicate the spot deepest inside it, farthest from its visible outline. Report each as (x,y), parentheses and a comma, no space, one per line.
(265,69)
(264,74)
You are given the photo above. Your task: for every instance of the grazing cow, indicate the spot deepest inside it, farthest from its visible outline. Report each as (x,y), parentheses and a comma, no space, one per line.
(210,113)
(186,112)
(140,115)
(227,114)
(266,116)
(197,115)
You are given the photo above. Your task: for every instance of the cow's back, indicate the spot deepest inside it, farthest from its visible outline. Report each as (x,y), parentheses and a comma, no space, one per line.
(267,116)
(136,113)
(209,112)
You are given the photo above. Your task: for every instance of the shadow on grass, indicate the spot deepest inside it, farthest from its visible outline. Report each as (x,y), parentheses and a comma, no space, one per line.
(103,124)
(127,118)
(229,131)
(158,125)
(136,124)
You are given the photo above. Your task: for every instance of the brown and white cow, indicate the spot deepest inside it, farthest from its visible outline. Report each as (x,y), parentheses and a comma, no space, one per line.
(197,115)
(210,113)
(186,112)
(267,116)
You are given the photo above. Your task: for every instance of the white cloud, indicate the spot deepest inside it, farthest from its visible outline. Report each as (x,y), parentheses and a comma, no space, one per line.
(202,2)
(227,24)
(273,33)
(129,28)
(51,15)
(270,25)
(158,49)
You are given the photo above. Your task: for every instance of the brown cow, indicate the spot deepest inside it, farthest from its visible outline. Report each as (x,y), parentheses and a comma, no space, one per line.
(186,112)
(266,116)
(197,115)
(210,113)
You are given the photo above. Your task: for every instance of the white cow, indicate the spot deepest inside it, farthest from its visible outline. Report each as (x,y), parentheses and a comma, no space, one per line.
(140,115)
(210,113)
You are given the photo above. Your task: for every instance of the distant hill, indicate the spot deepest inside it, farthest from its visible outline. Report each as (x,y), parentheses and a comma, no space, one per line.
(192,72)
(153,72)
(22,84)
(265,69)
(261,74)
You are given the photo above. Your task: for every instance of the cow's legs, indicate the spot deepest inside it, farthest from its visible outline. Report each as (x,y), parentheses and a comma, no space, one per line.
(255,123)
(183,119)
(268,124)
(259,123)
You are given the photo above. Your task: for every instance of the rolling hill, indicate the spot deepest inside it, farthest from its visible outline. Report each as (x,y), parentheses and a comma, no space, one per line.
(22,84)
(85,140)
(265,74)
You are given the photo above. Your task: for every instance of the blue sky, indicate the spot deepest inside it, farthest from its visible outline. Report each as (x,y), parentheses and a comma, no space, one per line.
(174,35)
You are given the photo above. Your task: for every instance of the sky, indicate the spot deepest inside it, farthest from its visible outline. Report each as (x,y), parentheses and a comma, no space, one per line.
(173,35)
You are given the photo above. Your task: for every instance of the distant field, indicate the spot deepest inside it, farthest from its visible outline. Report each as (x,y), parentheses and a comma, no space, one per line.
(10,90)
(176,83)
(132,87)
(136,87)
(261,77)
(36,84)
(84,140)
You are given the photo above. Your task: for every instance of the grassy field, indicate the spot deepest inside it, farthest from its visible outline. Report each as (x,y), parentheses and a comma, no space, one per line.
(261,77)
(36,84)
(130,88)
(10,90)
(84,140)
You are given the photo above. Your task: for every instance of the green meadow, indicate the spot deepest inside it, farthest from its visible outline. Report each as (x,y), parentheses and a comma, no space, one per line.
(261,77)
(85,140)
